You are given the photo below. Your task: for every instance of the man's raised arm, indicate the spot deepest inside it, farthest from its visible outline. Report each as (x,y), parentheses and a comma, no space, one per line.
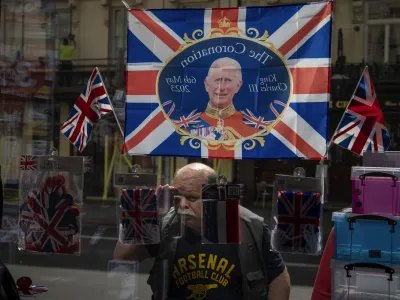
(279,288)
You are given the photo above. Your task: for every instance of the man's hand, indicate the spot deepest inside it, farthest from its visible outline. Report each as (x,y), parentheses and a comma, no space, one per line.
(279,288)
(141,252)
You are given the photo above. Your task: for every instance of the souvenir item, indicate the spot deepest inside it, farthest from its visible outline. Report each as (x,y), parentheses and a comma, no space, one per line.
(92,104)
(362,127)
(139,221)
(276,102)
(220,219)
(141,207)
(297,216)
(50,204)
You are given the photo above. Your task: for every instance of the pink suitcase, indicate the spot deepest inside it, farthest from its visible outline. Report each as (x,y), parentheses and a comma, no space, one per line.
(375,190)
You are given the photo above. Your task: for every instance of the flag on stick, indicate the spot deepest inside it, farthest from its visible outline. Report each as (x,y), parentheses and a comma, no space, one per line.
(92,104)
(362,127)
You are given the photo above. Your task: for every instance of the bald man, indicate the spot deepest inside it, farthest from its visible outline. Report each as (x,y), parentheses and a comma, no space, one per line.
(221,121)
(184,268)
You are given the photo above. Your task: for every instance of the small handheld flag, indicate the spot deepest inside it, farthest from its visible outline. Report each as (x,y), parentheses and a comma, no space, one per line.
(92,104)
(362,127)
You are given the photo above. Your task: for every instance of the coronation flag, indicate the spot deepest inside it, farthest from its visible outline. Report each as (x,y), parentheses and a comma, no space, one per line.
(362,127)
(92,104)
(280,93)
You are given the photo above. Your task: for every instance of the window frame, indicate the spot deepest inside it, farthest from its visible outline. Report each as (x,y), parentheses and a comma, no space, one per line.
(113,27)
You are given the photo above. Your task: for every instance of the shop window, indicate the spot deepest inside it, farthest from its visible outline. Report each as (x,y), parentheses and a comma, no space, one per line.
(118,32)
(383,41)
(388,11)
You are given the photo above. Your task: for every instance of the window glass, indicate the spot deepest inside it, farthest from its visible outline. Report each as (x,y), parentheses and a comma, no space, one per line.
(48,50)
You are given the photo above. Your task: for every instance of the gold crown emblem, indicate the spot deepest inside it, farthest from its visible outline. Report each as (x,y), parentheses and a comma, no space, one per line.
(224,23)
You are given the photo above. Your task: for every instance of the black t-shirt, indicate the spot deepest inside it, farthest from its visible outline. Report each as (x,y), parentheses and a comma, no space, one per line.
(205,271)
(207,263)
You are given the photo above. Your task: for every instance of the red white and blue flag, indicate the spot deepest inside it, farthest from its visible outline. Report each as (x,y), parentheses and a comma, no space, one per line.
(92,104)
(50,220)
(298,221)
(252,120)
(28,162)
(362,127)
(295,126)
(220,219)
(139,221)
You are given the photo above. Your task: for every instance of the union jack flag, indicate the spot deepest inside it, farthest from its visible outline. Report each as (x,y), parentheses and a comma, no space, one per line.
(250,119)
(139,222)
(50,225)
(362,127)
(91,105)
(54,186)
(298,221)
(301,33)
(28,162)
(191,119)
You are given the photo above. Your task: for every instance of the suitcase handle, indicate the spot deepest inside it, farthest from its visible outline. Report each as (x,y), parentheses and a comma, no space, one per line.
(388,270)
(378,174)
(352,220)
